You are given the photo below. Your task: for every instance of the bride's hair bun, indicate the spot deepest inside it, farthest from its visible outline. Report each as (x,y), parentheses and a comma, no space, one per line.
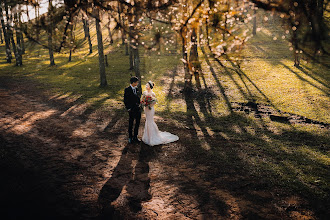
(151,84)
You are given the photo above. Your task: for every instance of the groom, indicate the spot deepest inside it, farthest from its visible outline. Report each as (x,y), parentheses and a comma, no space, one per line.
(132,104)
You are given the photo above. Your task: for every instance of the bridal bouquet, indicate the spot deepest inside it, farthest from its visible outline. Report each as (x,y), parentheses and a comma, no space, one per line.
(147,101)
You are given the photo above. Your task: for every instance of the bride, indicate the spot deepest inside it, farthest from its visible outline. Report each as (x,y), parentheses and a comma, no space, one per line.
(152,136)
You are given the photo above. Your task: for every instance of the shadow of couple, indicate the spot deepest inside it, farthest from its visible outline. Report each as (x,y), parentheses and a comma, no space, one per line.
(129,184)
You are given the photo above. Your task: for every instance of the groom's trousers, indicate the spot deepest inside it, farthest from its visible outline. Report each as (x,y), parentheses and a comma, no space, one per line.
(134,116)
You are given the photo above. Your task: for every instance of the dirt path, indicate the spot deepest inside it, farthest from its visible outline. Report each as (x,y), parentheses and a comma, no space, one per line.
(60,162)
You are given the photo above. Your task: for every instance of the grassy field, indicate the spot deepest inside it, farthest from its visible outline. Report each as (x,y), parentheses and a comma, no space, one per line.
(293,156)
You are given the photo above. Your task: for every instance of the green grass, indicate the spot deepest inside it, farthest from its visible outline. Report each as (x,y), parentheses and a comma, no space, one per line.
(293,156)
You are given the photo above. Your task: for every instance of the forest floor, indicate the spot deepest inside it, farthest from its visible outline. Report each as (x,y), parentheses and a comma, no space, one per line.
(59,160)
(254,137)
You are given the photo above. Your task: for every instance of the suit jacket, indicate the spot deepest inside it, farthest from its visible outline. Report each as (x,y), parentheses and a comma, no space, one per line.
(131,100)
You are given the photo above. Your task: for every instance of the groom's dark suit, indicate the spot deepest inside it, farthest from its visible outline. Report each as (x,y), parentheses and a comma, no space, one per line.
(132,104)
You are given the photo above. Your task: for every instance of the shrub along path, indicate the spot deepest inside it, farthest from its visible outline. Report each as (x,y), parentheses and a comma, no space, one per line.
(60,160)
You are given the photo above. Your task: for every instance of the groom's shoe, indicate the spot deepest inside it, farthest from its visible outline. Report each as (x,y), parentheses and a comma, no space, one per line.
(136,140)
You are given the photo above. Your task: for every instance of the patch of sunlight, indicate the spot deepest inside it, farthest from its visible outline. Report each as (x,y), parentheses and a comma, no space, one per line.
(221,107)
(237,129)
(66,95)
(284,148)
(82,132)
(315,130)
(25,124)
(266,32)
(46,62)
(288,87)
(77,108)
(69,64)
(250,130)
(209,131)
(31,74)
(62,79)
(103,95)
(93,100)
(114,103)
(315,155)
(171,106)
(4,65)
(303,176)
(286,169)
(225,136)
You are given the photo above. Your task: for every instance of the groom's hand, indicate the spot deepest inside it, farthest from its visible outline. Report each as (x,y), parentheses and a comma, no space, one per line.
(129,109)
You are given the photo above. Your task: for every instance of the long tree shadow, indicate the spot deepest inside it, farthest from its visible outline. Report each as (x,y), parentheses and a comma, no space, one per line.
(250,97)
(129,183)
(231,162)
(241,73)
(311,70)
(172,84)
(201,136)
(222,89)
(34,182)
(304,70)
(305,80)
(225,158)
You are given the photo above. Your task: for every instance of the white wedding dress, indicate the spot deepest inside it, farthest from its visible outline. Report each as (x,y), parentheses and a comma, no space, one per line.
(152,136)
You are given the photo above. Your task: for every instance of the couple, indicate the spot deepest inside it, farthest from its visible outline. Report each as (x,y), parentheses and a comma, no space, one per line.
(151,136)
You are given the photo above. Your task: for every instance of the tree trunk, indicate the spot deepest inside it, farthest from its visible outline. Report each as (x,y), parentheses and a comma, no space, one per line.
(106,60)
(137,64)
(136,51)
(126,48)
(16,52)
(14,47)
(85,27)
(296,60)
(121,23)
(254,32)
(11,36)
(1,34)
(37,20)
(19,50)
(316,15)
(131,56)
(22,45)
(194,60)
(183,36)
(103,79)
(89,37)
(136,60)
(18,36)
(6,37)
(131,60)
(296,52)
(50,47)
(71,38)
(187,75)
(109,30)
(50,34)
